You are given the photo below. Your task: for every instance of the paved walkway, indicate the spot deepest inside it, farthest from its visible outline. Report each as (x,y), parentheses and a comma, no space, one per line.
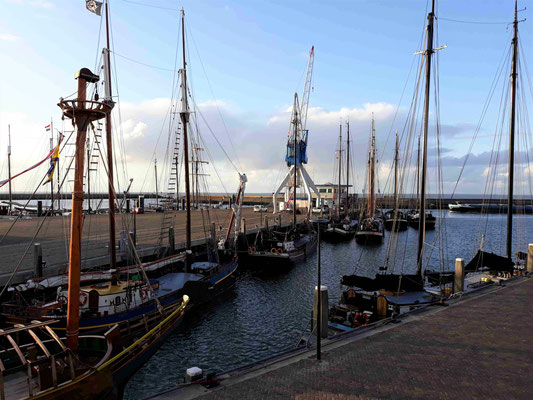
(481,348)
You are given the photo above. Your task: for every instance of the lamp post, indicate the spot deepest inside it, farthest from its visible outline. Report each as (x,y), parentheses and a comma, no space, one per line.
(319,221)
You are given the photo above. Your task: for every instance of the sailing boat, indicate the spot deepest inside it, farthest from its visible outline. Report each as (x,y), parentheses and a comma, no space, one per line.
(117,296)
(486,260)
(370,229)
(341,227)
(78,366)
(367,298)
(396,219)
(275,249)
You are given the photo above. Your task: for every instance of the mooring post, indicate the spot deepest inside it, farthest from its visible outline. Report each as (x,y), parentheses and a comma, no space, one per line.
(37,260)
(320,314)
(171,241)
(243,226)
(530,258)
(459,277)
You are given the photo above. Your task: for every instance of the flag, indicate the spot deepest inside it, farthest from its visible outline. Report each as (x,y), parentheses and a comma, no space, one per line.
(47,127)
(94,6)
(54,158)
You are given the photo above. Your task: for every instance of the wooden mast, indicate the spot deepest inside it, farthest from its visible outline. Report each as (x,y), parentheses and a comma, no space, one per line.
(156,188)
(109,145)
(51,181)
(82,112)
(511,136)
(295,140)
(422,212)
(347,167)
(9,168)
(340,170)
(396,177)
(184,115)
(371,173)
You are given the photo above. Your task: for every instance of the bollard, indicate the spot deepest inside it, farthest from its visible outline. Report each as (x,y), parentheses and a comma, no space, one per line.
(171,241)
(193,374)
(324,314)
(38,260)
(530,258)
(459,276)
(39,208)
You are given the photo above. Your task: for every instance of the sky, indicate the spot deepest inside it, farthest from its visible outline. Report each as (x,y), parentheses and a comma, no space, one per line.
(246,60)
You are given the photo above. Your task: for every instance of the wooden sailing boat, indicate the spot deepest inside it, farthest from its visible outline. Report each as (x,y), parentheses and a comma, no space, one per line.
(396,219)
(490,261)
(82,367)
(370,228)
(275,249)
(341,227)
(386,294)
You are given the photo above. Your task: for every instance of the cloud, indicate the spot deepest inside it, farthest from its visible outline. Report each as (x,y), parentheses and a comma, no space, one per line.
(8,37)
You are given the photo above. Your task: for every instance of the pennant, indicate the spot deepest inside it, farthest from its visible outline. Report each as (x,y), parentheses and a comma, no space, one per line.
(53,162)
(3,182)
(47,127)
(94,7)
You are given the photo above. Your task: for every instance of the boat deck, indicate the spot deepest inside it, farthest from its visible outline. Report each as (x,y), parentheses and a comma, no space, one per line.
(479,347)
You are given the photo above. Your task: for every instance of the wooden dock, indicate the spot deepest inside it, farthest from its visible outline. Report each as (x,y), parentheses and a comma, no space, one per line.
(54,232)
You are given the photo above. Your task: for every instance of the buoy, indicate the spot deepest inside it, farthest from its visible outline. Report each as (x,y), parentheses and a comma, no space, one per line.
(280,250)
(273,251)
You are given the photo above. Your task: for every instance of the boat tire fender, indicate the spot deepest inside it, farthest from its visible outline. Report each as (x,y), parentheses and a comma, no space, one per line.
(83,298)
(143,293)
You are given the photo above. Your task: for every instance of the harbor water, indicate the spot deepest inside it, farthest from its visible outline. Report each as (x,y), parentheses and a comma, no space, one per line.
(267,314)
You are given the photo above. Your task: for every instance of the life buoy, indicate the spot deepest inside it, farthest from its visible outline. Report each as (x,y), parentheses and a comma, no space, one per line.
(83,298)
(351,293)
(273,251)
(143,293)
(280,250)
(360,319)
(249,249)
(253,249)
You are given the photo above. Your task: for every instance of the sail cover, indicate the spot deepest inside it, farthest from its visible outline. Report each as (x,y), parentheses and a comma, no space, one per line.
(409,283)
(491,261)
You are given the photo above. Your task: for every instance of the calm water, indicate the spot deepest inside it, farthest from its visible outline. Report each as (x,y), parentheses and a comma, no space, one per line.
(265,315)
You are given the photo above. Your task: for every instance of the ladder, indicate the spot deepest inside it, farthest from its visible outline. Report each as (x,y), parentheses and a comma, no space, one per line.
(172,190)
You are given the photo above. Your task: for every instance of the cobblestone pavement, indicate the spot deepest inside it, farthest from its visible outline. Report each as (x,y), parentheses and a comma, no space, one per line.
(478,349)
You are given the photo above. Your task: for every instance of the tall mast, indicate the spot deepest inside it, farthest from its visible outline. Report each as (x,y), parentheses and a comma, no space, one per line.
(422,213)
(511,136)
(347,167)
(156,188)
(396,175)
(371,177)
(418,174)
(340,170)
(88,155)
(83,113)
(295,141)
(51,181)
(109,145)
(9,167)
(184,115)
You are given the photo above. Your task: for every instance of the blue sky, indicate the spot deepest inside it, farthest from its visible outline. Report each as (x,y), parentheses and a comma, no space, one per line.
(254,54)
